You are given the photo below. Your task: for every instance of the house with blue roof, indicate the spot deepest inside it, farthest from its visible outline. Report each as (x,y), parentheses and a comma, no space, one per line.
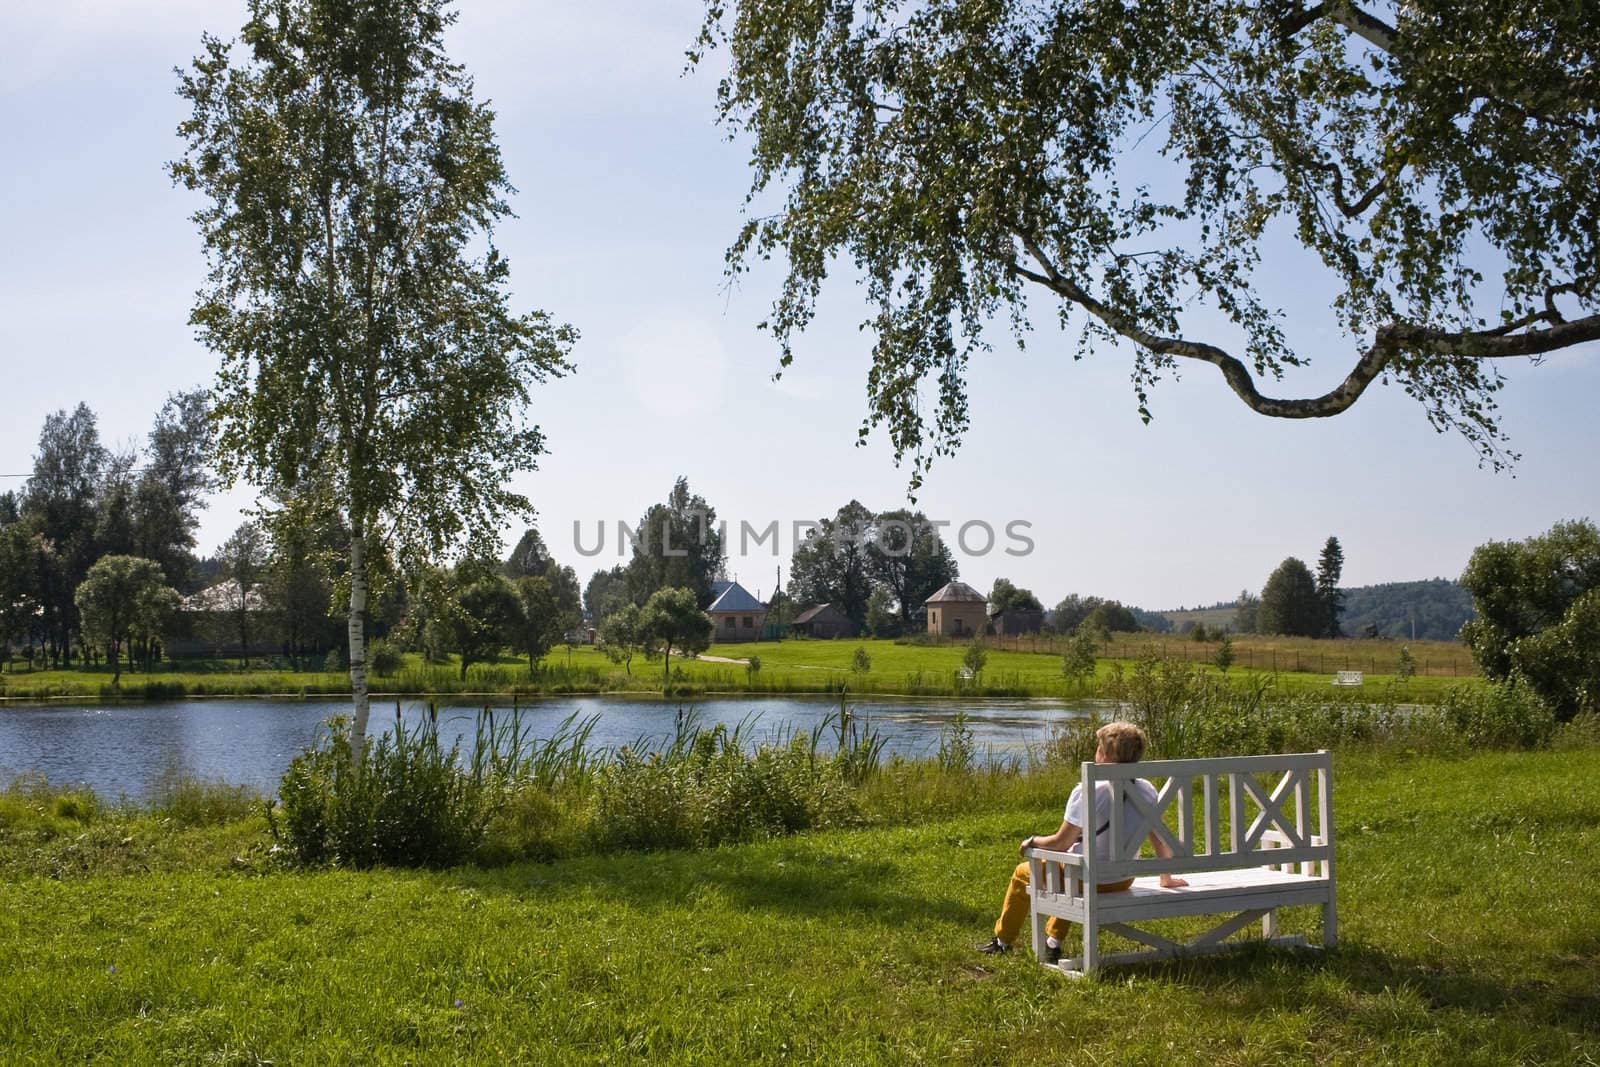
(736,615)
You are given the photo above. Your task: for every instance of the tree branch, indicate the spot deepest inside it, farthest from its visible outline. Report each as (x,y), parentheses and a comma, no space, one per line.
(1368,27)
(1391,340)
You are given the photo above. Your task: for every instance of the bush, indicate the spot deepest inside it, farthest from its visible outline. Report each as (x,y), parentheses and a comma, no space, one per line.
(975,659)
(412,804)
(1506,715)
(384,659)
(1406,667)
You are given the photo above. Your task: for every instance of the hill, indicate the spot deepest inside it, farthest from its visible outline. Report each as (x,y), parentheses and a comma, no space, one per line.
(1437,607)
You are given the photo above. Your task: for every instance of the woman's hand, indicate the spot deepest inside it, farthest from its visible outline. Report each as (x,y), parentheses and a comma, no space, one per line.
(1022,849)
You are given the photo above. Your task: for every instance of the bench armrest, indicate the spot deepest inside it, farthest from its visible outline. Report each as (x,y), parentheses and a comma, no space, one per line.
(1068,859)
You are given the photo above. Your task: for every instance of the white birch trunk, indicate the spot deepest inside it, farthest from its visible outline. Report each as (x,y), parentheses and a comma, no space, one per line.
(358,645)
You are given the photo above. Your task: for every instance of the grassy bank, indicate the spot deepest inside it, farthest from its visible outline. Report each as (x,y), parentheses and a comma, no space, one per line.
(1468,895)
(795,666)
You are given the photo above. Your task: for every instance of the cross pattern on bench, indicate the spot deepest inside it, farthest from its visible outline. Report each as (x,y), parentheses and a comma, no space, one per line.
(1245,834)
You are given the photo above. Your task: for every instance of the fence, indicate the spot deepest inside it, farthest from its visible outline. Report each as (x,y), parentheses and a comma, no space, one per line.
(1302,655)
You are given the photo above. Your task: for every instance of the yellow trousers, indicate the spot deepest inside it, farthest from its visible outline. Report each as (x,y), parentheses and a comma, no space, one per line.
(1014,912)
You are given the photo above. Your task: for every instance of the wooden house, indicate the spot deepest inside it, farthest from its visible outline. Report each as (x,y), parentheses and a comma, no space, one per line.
(825,621)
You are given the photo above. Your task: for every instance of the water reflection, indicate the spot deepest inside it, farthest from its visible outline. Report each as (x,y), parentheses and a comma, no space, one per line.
(122,751)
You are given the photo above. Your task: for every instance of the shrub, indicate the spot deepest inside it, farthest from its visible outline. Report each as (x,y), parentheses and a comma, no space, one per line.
(1506,715)
(976,658)
(1224,656)
(384,659)
(412,804)
(1406,668)
(861,663)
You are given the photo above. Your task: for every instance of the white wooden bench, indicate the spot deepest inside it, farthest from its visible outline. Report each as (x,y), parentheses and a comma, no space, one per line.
(1347,678)
(1263,847)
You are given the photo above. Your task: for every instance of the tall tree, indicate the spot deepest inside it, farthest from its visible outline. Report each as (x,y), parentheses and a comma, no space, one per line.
(488,617)
(1330,566)
(606,593)
(530,558)
(244,567)
(540,619)
(354,294)
(68,472)
(1538,614)
(832,564)
(908,557)
(1247,613)
(966,155)
(171,490)
(298,586)
(1290,604)
(1005,596)
(677,545)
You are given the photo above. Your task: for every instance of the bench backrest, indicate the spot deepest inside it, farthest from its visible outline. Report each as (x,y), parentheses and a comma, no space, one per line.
(1287,822)
(1347,678)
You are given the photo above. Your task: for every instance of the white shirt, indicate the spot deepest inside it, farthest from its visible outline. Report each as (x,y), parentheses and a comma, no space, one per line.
(1076,815)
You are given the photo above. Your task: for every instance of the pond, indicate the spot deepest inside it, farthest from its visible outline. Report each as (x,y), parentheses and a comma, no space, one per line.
(123,750)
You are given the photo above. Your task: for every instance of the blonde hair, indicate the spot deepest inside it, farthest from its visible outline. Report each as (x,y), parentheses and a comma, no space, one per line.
(1123,742)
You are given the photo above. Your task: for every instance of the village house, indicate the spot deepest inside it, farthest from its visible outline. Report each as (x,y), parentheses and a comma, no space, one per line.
(1011,623)
(736,615)
(957,610)
(825,621)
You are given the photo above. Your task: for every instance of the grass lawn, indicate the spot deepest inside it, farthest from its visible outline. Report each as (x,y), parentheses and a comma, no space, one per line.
(1469,900)
(793,666)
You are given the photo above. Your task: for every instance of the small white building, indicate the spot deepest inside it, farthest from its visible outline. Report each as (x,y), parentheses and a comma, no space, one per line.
(957,610)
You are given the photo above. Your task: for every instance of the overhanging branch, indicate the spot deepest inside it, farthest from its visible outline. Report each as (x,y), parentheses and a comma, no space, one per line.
(1391,340)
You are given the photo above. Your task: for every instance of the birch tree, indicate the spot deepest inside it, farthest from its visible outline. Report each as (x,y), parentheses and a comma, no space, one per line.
(1129,163)
(369,352)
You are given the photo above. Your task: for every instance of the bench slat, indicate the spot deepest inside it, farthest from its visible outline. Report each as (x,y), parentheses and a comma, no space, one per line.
(1226,861)
(1105,772)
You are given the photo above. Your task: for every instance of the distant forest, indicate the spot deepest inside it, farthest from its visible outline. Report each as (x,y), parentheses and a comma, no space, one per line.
(1437,605)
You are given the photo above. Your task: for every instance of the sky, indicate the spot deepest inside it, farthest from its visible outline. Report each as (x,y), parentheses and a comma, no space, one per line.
(628,195)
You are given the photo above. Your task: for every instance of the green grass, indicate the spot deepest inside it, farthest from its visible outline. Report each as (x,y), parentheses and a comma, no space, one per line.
(1468,896)
(794,666)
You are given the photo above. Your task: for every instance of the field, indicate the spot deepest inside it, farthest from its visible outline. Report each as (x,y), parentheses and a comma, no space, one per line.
(1469,899)
(1017,667)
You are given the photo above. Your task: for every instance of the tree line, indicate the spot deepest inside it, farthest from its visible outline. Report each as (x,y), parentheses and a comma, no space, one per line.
(85,502)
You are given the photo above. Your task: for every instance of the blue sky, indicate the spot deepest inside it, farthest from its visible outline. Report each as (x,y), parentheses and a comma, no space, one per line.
(627,198)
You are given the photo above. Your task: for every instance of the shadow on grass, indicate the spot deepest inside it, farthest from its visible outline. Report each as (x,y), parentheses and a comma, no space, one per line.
(806,885)
(1263,979)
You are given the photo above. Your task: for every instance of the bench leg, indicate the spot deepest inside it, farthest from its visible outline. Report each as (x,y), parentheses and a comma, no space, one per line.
(1269,924)
(1091,945)
(1038,922)
(1330,922)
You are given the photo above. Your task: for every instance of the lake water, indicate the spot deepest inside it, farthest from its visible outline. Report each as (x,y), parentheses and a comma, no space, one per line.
(122,750)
